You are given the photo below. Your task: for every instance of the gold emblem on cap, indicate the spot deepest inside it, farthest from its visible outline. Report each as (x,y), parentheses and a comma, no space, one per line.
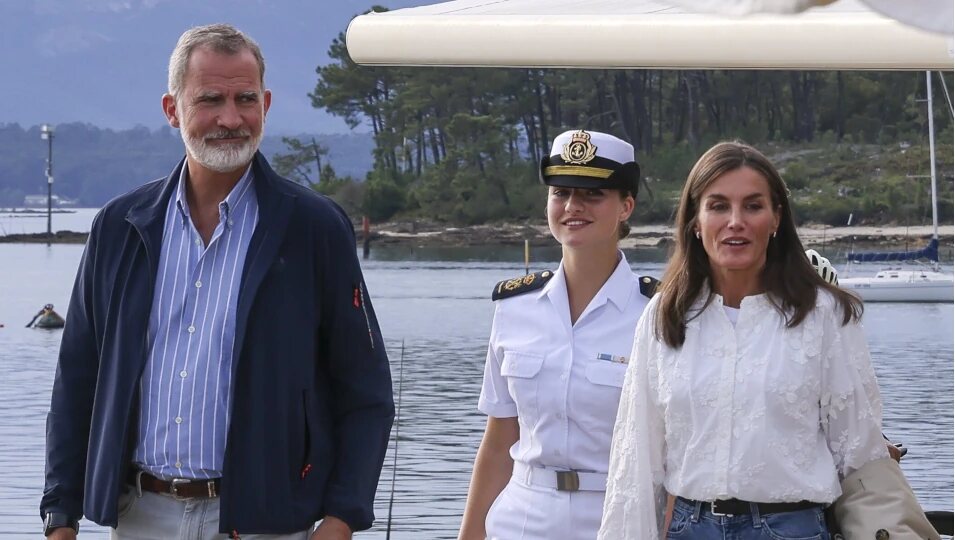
(579,150)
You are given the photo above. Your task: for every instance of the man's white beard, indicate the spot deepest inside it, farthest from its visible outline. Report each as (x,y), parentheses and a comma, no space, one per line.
(221,158)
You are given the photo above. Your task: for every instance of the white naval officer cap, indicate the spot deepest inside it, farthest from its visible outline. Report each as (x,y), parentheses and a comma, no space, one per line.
(590,159)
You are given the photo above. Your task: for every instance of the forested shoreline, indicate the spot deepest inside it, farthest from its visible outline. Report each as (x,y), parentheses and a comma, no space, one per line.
(461,145)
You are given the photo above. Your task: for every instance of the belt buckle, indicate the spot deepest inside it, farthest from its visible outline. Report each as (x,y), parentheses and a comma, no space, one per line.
(716,512)
(174,488)
(568,481)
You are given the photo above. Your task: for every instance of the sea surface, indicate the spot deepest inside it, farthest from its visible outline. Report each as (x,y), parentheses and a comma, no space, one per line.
(435,312)
(33,220)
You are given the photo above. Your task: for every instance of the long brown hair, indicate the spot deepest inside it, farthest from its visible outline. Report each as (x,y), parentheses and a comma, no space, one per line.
(790,280)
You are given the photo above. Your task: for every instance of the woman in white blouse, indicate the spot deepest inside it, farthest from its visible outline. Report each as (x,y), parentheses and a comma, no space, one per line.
(750,393)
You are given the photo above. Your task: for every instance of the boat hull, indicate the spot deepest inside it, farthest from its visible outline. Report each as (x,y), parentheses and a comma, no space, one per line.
(902,286)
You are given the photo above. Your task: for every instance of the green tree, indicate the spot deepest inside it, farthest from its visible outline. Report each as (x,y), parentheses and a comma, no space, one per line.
(302,162)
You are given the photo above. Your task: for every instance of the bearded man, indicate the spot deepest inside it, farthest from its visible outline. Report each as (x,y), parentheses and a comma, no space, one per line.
(221,371)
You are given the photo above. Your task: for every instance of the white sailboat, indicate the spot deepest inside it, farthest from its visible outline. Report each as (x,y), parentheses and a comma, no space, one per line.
(902,285)
(924,283)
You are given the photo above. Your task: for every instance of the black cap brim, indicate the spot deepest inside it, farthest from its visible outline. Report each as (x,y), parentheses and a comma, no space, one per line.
(625,178)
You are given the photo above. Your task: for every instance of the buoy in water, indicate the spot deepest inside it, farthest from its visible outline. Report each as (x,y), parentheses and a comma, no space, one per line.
(46,318)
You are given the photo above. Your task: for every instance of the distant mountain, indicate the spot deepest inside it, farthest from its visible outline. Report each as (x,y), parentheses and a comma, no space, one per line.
(103,62)
(93,164)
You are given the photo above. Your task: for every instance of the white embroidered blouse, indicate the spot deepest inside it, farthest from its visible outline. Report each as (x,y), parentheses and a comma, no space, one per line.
(755,411)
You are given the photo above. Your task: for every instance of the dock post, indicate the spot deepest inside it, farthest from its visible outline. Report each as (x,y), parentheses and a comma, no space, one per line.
(527,257)
(365,237)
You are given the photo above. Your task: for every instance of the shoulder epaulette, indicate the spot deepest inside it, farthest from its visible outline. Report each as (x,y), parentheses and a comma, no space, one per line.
(521,285)
(648,286)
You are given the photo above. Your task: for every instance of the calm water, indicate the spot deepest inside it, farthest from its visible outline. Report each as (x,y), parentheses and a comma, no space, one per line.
(73,219)
(437,302)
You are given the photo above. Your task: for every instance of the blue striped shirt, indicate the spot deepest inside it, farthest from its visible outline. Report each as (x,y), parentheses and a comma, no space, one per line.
(186,385)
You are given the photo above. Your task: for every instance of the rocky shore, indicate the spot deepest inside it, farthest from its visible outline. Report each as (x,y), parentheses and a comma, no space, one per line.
(430,234)
(59,237)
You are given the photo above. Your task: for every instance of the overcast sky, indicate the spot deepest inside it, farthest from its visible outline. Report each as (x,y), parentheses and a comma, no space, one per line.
(104,61)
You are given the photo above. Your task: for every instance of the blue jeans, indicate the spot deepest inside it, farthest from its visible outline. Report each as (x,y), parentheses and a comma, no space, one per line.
(691,520)
(151,516)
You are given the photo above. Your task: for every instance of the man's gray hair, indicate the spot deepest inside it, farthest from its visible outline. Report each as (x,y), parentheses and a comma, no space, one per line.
(220,38)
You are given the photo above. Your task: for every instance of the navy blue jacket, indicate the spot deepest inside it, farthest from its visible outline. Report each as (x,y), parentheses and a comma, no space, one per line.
(311,381)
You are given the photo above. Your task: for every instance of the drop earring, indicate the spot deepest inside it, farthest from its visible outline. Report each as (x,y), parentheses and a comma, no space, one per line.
(698,235)
(774,234)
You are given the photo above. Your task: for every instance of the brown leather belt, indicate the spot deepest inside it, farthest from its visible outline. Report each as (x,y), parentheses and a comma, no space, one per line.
(181,488)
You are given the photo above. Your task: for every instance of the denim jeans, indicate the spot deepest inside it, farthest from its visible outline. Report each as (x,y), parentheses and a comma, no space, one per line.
(151,516)
(691,520)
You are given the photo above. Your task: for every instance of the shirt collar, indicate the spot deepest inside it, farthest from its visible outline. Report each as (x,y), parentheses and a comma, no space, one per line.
(225,207)
(617,289)
(556,283)
(619,286)
(754,301)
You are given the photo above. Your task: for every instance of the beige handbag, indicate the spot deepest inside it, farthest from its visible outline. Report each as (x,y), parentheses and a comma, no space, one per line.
(877,503)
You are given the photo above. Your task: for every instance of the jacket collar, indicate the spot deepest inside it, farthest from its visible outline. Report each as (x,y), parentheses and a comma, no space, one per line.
(275,200)
(149,214)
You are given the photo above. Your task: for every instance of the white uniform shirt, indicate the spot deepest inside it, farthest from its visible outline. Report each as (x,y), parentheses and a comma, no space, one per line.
(757,412)
(548,373)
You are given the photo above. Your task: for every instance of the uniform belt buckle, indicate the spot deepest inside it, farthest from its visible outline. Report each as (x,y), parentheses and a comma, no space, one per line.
(174,488)
(568,481)
(716,512)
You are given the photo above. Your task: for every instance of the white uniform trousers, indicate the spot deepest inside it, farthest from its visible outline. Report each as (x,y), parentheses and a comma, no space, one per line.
(163,517)
(531,512)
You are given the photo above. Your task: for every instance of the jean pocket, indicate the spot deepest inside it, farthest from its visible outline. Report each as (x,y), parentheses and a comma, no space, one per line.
(806,524)
(678,522)
(126,502)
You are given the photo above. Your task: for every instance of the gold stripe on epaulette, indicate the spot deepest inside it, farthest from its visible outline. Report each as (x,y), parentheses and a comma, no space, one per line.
(516,283)
(575,170)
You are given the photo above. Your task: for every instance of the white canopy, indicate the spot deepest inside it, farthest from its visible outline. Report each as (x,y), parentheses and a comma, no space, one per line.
(640,34)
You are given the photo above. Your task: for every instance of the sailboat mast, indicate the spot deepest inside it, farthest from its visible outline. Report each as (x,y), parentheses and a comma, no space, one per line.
(931,152)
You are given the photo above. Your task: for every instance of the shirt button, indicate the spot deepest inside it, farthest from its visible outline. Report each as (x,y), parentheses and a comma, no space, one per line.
(198,284)
(230,222)
(198,241)
(183,374)
(178,419)
(563,376)
(191,329)
(178,465)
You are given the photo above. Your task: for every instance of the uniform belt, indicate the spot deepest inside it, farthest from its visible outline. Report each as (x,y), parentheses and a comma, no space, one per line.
(560,480)
(736,507)
(181,488)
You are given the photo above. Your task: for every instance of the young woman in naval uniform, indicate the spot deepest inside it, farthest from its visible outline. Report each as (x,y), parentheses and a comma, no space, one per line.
(557,356)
